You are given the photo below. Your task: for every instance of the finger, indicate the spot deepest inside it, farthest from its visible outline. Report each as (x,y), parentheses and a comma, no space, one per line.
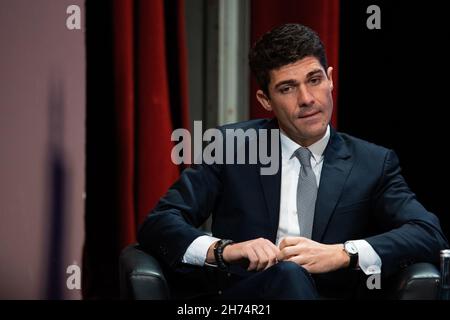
(272,247)
(271,251)
(290,251)
(299,259)
(252,258)
(263,259)
(272,256)
(276,252)
(289,241)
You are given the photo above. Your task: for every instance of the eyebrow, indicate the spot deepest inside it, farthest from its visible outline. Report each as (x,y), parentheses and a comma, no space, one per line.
(289,82)
(314,72)
(295,82)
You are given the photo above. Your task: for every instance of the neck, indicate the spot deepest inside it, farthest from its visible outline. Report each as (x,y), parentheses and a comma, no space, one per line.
(304,142)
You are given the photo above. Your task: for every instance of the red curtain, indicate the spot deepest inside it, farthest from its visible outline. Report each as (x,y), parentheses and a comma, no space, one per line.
(320,15)
(148,107)
(136,97)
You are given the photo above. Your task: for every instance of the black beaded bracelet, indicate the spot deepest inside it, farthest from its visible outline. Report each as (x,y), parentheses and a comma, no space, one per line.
(218,253)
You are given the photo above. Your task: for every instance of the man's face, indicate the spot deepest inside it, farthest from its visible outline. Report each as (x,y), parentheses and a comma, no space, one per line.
(300,97)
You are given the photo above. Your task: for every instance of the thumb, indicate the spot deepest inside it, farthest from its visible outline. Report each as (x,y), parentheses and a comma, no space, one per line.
(289,241)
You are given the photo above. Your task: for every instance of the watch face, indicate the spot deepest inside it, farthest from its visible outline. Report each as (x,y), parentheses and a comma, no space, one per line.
(351,248)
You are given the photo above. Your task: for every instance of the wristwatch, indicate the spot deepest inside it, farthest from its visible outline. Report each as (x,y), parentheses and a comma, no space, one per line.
(218,253)
(352,251)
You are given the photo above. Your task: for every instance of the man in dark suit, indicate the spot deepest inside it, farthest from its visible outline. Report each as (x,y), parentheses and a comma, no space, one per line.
(336,210)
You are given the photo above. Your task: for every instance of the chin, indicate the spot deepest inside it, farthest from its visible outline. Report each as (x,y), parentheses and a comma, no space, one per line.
(312,130)
(315,134)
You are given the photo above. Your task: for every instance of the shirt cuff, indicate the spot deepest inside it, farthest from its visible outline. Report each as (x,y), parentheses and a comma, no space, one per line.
(369,261)
(198,249)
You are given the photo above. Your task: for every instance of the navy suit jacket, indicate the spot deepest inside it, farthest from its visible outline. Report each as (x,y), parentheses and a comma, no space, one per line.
(362,195)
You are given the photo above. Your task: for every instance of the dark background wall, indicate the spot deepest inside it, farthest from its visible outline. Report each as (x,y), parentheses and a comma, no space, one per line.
(394,89)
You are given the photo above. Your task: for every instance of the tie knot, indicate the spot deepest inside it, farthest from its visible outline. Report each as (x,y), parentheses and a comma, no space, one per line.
(304,156)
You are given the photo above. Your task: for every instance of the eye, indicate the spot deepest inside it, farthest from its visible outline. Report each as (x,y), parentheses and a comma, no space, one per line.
(286,89)
(315,80)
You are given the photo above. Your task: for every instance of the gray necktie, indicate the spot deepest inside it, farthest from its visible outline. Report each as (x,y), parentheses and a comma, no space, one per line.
(306,192)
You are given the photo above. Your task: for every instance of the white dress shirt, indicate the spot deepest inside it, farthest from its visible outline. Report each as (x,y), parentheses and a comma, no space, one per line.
(368,259)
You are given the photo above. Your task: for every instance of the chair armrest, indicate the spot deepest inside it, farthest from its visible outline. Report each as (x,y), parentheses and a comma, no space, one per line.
(418,281)
(141,276)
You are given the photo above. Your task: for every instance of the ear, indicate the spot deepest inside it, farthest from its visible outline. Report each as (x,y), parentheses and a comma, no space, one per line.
(330,76)
(263,100)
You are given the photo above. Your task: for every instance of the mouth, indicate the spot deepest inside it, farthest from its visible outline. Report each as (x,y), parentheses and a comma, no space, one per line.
(309,115)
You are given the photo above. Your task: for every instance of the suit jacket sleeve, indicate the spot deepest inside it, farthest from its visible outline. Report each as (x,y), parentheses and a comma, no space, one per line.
(172,225)
(409,232)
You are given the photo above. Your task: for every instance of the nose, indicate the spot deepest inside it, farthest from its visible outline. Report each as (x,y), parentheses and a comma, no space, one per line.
(305,98)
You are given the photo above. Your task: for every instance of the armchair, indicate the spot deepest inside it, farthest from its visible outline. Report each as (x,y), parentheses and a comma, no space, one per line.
(141,278)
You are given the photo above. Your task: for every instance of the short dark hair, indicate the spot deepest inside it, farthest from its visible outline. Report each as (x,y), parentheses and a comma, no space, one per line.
(283,45)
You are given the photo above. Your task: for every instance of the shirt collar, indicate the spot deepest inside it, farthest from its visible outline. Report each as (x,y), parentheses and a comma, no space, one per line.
(288,146)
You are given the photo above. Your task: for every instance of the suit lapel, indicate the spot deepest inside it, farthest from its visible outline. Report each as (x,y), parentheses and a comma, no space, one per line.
(336,168)
(271,186)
